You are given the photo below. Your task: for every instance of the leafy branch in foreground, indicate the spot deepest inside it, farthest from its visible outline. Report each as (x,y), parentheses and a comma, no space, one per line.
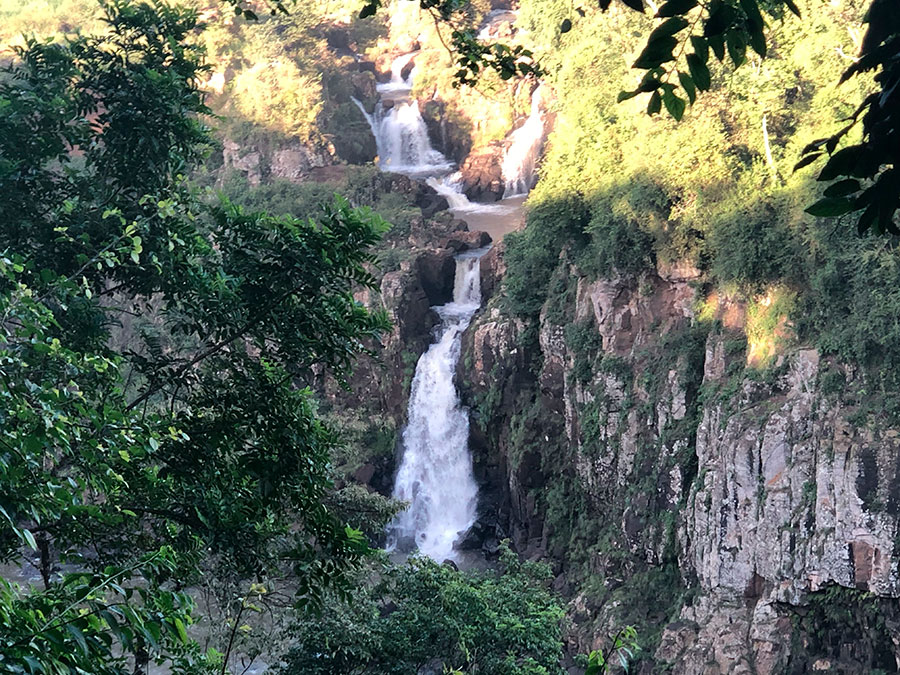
(864,175)
(156,426)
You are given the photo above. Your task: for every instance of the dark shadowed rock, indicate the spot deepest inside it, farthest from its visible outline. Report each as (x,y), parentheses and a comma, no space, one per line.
(465,241)
(436,270)
(364,474)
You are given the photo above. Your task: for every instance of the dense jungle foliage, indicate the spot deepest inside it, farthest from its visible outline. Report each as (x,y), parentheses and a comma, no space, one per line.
(158,339)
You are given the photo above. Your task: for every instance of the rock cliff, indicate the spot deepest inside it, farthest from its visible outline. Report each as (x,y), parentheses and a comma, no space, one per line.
(737,513)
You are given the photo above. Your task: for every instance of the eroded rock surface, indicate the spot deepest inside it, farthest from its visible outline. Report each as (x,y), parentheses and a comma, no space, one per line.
(753,495)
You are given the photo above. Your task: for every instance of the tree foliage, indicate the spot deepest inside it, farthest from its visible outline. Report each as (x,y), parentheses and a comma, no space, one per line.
(154,350)
(425,617)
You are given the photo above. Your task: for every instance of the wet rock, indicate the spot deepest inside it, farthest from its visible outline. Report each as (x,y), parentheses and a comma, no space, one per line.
(492,270)
(431,202)
(436,270)
(408,307)
(490,548)
(406,544)
(482,173)
(464,241)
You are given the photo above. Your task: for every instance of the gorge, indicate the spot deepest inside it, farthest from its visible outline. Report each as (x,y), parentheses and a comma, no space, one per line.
(392,373)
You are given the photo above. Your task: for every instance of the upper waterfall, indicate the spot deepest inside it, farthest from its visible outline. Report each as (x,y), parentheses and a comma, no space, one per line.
(400,132)
(520,161)
(397,82)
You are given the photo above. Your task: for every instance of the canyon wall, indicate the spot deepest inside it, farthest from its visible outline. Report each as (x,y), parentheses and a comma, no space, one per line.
(744,517)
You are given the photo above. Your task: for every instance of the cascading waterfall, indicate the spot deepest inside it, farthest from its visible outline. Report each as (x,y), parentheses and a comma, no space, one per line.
(435,474)
(520,163)
(400,132)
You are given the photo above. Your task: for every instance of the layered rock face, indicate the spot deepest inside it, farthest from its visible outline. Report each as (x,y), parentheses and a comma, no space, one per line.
(739,515)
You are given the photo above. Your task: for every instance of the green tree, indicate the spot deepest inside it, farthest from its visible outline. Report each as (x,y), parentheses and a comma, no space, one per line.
(424,617)
(155,347)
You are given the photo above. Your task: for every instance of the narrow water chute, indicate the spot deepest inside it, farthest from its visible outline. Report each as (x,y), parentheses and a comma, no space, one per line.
(435,474)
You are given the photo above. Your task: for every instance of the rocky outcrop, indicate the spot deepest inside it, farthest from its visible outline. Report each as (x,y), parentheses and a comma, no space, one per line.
(482,173)
(731,510)
(449,133)
(292,161)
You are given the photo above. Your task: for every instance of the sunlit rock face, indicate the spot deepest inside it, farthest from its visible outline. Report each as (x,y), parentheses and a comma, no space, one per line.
(764,491)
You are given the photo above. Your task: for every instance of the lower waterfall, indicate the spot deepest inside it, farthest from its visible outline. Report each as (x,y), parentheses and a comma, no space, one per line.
(435,474)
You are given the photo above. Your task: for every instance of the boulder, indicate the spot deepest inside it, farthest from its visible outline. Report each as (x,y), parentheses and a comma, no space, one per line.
(448,134)
(493,268)
(465,241)
(436,270)
(482,173)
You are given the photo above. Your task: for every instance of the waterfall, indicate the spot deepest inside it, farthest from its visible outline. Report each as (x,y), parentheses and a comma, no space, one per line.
(435,474)
(400,132)
(450,187)
(520,162)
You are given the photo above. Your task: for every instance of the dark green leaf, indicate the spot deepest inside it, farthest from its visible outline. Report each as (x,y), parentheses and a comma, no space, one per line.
(793,7)
(676,8)
(719,21)
(667,28)
(751,9)
(655,103)
(866,219)
(841,163)
(830,207)
(737,48)
(637,5)
(656,53)
(675,105)
(843,188)
(701,47)
(807,160)
(758,42)
(565,26)
(717,44)
(699,72)
(687,83)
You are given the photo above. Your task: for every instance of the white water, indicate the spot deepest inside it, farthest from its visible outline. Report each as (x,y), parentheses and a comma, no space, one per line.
(397,82)
(451,188)
(520,161)
(435,474)
(400,132)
